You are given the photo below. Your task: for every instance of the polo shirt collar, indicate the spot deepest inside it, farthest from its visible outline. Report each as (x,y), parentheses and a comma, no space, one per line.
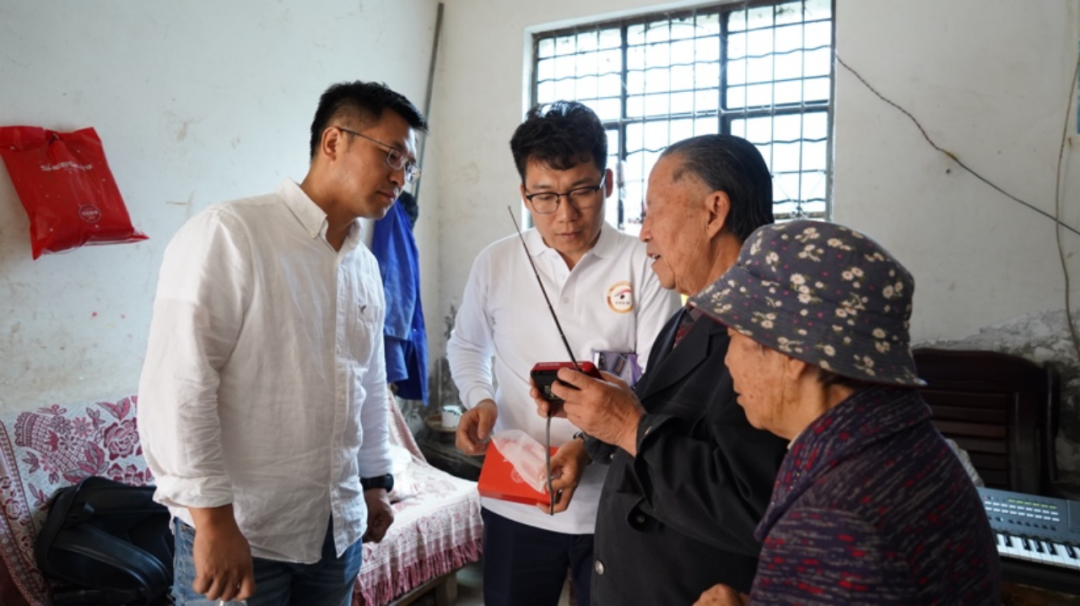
(606,245)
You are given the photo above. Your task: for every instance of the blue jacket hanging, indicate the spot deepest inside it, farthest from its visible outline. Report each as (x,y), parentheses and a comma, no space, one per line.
(394,246)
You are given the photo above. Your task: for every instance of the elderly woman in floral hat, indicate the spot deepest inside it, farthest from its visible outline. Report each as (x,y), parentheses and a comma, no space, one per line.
(870,505)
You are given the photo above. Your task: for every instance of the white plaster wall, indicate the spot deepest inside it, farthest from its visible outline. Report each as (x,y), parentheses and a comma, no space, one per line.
(196,103)
(989,80)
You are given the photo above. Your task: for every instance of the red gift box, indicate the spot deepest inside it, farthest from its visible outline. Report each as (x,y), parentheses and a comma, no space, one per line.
(499,480)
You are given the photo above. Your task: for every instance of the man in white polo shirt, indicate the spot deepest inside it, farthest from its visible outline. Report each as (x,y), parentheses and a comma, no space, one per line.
(608,300)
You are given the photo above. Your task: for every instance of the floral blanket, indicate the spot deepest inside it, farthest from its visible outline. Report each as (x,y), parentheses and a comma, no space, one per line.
(48,449)
(437,527)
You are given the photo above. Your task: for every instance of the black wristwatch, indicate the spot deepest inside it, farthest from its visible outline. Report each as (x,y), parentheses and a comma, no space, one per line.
(386,482)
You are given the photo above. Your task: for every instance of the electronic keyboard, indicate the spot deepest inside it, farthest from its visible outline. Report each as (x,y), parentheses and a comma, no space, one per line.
(1038,538)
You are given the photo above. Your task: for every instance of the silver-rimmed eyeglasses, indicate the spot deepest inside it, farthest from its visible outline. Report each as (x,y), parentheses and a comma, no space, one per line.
(547,202)
(394,158)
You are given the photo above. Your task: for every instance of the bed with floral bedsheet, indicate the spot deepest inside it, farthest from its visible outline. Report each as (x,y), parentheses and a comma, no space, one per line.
(437,528)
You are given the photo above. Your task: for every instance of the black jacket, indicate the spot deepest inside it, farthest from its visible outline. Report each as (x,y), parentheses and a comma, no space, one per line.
(680,517)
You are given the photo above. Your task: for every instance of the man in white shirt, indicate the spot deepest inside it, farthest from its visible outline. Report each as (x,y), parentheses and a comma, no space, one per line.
(262,402)
(607,300)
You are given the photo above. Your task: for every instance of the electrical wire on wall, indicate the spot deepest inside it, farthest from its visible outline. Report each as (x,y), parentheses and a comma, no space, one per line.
(1058,186)
(1056,217)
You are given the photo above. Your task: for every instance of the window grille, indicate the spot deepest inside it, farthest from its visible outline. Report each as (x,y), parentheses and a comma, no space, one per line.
(758,70)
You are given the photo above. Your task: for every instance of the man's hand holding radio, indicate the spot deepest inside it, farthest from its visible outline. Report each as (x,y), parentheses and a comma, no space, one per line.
(474,427)
(607,410)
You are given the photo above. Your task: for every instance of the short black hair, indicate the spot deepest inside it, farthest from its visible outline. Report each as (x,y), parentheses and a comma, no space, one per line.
(733,165)
(561,135)
(364,102)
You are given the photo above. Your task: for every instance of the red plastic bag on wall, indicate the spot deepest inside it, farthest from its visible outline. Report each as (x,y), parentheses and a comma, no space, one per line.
(66,187)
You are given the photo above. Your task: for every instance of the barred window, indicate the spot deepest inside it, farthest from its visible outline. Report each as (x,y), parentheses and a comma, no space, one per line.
(758,70)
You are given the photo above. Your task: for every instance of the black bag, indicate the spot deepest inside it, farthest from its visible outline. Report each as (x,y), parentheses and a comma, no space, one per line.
(107,543)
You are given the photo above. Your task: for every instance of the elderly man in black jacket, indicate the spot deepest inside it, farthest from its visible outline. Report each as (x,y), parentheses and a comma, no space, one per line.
(688,477)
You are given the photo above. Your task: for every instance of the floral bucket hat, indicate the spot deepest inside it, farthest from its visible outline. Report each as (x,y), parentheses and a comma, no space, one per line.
(824,294)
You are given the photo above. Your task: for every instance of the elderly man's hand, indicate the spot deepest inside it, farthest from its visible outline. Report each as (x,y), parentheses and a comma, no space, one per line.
(543,407)
(605,409)
(722,595)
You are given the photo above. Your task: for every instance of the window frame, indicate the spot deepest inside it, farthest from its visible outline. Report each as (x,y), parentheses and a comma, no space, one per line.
(724,115)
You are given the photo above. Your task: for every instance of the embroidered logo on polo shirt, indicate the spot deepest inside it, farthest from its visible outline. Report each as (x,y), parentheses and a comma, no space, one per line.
(620,297)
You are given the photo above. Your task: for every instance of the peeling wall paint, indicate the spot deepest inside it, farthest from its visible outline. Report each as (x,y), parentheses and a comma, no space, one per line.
(1039,337)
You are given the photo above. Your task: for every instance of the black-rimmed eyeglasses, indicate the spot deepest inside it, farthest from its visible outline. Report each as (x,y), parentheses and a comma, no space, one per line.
(547,202)
(394,158)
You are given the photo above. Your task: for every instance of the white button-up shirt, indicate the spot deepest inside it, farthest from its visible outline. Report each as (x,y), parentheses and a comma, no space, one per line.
(611,301)
(264,383)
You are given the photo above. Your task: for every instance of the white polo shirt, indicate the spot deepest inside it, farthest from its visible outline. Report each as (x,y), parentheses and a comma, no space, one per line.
(610,301)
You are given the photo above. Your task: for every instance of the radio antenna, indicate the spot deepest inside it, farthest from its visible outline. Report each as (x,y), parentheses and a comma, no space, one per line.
(547,431)
(543,290)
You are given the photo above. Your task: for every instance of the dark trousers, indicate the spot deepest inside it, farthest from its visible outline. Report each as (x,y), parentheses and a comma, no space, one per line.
(527,566)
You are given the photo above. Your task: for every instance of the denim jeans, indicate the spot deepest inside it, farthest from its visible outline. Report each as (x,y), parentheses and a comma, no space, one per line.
(328,582)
